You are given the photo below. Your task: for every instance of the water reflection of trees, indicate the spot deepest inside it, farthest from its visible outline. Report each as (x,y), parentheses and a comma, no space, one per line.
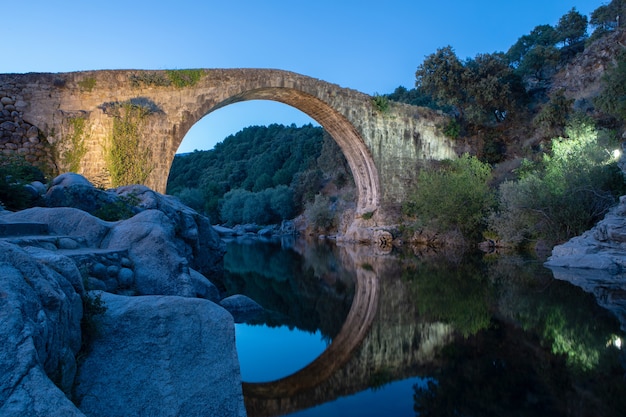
(535,346)
(456,292)
(522,343)
(311,295)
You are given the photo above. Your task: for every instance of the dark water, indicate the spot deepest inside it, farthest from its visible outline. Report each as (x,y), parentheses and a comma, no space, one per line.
(349,332)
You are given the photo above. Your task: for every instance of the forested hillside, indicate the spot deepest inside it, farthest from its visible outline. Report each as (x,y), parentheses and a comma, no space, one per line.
(262,174)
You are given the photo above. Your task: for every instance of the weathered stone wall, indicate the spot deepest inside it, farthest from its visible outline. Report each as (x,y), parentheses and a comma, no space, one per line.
(75,113)
(18,137)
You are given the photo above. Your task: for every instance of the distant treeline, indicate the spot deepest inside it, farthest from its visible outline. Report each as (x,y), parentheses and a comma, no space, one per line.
(262,174)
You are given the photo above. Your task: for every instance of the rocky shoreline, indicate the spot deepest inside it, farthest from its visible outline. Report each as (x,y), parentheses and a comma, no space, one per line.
(162,340)
(596,261)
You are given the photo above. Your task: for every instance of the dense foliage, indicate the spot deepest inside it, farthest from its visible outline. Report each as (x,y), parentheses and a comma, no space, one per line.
(454,197)
(563,194)
(262,174)
(15,173)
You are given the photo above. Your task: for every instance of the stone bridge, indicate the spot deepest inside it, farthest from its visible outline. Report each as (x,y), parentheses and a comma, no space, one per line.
(70,121)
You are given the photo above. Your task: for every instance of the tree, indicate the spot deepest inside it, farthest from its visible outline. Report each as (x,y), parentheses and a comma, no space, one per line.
(553,116)
(538,61)
(606,18)
(572,28)
(492,87)
(441,76)
(612,99)
(482,89)
(541,36)
(455,197)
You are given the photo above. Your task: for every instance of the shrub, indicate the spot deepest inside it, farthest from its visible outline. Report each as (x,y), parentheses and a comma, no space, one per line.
(381,103)
(454,197)
(120,209)
(15,172)
(562,195)
(320,213)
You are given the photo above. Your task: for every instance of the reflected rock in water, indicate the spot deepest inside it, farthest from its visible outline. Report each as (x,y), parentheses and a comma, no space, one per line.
(609,289)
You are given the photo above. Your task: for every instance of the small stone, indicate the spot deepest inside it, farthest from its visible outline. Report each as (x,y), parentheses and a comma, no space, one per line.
(99,270)
(113,270)
(6,100)
(67,243)
(21,105)
(126,277)
(32,132)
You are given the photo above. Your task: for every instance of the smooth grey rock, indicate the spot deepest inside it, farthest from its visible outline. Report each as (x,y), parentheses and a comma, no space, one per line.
(126,277)
(65,221)
(203,287)
(40,331)
(203,247)
(241,307)
(161,356)
(67,243)
(74,190)
(224,231)
(99,270)
(39,186)
(160,265)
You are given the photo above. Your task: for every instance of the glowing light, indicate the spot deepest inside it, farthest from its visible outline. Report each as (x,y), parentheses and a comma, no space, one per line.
(615,341)
(617,153)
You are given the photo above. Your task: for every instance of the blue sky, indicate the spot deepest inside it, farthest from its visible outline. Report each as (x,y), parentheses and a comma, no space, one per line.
(370,46)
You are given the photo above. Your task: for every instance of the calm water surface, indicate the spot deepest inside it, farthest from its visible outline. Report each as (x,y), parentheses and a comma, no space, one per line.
(351,332)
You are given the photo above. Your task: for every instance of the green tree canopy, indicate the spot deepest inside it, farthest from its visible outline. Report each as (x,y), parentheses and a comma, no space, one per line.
(482,89)
(572,27)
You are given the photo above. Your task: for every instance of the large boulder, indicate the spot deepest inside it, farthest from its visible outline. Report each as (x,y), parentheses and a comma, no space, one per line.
(74,190)
(161,356)
(204,249)
(601,248)
(64,221)
(40,313)
(160,265)
(242,308)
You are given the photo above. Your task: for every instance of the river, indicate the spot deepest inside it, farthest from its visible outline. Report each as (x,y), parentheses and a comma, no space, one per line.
(352,332)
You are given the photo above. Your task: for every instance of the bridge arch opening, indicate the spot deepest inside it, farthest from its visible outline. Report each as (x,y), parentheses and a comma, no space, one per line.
(340,129)
(229,120)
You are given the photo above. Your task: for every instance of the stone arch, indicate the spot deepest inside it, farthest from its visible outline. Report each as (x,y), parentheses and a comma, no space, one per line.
(338,126)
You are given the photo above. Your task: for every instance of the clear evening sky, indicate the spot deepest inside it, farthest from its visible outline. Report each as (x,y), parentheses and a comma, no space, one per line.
(370,46)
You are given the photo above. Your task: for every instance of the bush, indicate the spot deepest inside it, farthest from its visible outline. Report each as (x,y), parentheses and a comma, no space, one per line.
(454,197)
(320,213)
(564,194)
(15,173)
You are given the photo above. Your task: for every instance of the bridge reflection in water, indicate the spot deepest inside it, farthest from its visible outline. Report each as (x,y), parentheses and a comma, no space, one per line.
(380,341)
(490,334)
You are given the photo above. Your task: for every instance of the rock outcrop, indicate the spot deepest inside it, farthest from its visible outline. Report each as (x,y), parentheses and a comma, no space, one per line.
(603,247)
(40,313)
(169,352)
(155,357)
(596,261)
